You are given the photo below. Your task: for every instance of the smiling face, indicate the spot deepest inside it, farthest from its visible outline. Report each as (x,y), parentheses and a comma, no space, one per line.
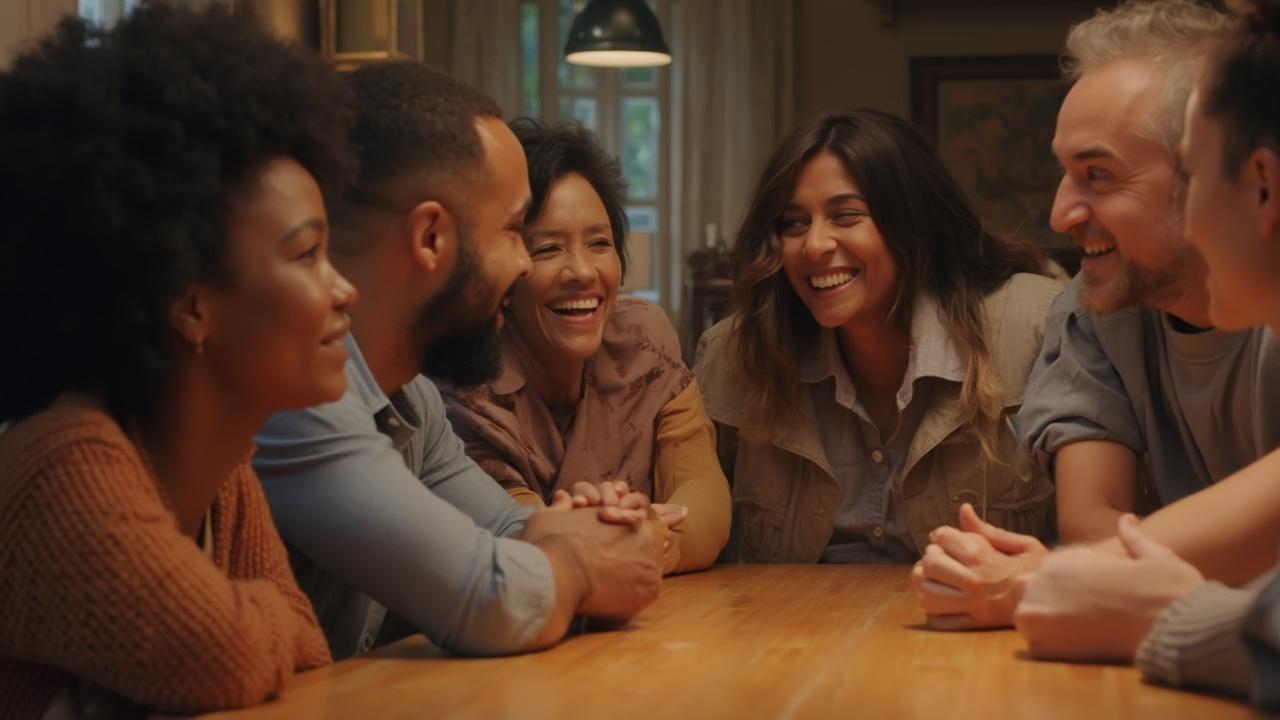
(832,253)
(1117,197)
(278,325)
(1223,222)
(560,309)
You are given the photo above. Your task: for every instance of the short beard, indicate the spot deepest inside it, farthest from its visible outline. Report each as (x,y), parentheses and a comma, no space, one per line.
(465,358)
(467,350)
(1138,286)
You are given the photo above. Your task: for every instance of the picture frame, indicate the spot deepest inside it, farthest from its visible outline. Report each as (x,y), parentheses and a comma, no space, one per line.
(358,32)
(992,119)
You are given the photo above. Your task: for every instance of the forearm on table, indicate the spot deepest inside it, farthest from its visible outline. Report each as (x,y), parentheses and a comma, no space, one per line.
(1230,530)
(706,530)
(425,560)
(500,606)
(271,563)
(1197,641)
(154,584)
(688,473)
(1095,481)
(571,586)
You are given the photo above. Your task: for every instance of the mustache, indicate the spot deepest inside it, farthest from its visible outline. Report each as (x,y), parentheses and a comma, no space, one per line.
(1092,231)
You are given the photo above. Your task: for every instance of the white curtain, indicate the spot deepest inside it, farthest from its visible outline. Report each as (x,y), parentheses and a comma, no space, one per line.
(733,97)
(486,49)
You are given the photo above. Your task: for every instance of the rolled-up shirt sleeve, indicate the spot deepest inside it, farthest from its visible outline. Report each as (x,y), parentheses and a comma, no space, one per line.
(435,550)
(1074,392)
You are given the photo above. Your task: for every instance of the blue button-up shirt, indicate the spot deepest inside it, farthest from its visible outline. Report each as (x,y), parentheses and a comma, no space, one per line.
(382,510)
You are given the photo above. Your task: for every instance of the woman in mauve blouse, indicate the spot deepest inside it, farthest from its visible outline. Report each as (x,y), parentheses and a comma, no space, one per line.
(592,390)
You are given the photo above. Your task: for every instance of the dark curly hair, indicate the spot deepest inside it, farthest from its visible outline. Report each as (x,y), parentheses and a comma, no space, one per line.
(554,152)
(124,151)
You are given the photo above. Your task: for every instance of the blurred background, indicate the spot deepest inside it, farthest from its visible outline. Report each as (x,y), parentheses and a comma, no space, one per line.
(979,76)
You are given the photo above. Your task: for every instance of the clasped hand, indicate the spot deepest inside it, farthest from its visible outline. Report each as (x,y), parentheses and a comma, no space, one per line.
(968,577)
(619,505)
(1073,604)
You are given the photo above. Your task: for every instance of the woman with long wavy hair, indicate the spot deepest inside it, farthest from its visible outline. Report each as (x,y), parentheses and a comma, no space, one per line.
(880,334)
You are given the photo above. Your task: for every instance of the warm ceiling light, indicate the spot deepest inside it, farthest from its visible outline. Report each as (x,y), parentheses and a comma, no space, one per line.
(616,33)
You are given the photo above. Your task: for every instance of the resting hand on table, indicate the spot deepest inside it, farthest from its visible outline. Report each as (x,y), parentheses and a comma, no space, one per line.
(1085,605)
(968,576)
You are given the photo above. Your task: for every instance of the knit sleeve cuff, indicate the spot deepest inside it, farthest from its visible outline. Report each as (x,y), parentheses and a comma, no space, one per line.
(1196,641)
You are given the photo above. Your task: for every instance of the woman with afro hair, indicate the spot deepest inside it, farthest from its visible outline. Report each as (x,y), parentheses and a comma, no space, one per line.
(166,287)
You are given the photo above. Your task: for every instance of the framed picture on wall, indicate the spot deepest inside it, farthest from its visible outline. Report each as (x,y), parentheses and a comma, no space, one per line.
(993,119)
(357,32)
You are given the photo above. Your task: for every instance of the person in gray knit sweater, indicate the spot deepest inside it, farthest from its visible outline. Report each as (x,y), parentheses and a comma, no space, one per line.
(1211,636)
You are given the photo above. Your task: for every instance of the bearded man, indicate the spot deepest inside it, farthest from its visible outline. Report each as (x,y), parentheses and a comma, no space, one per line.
(391,528)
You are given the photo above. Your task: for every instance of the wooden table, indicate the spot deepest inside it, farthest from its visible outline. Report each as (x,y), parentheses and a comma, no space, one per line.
(780,641)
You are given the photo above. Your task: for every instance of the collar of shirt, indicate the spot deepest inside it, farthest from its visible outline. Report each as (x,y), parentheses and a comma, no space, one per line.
(933,354)
(392,419)
(1205,346)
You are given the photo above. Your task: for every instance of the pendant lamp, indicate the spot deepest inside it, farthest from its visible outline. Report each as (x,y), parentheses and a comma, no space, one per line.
(617,33)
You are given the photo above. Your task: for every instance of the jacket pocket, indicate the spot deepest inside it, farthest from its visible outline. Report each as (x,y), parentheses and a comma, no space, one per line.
(1013,494)
(757,532)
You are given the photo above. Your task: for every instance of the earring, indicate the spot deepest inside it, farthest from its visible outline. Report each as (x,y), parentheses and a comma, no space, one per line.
(200,346)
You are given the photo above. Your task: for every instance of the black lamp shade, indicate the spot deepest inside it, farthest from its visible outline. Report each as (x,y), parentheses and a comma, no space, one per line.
(617,33)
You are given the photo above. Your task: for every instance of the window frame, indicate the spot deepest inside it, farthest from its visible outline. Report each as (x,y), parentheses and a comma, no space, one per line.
(609,92)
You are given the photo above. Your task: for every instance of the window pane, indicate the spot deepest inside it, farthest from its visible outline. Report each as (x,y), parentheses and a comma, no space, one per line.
(640,78)
(640,146)
(92,11)
(530,86)
(579,108)
(643,219)
(104,12)
(572,76)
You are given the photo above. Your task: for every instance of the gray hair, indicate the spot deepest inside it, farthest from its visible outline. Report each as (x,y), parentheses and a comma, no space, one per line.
(1176,35)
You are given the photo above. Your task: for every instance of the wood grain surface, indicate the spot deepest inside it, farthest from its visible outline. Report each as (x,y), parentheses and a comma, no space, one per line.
(747,641)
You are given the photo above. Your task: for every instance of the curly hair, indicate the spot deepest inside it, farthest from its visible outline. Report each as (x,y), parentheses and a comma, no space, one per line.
(935,237)
(124,151)
(554,152)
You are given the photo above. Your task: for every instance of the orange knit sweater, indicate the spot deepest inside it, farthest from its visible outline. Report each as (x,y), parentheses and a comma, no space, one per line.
(96,581)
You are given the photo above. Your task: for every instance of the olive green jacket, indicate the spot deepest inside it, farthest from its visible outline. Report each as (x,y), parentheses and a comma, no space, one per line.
(785,494)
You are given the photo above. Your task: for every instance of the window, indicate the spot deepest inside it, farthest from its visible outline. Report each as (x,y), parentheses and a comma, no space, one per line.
(105,12)
(627,107)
